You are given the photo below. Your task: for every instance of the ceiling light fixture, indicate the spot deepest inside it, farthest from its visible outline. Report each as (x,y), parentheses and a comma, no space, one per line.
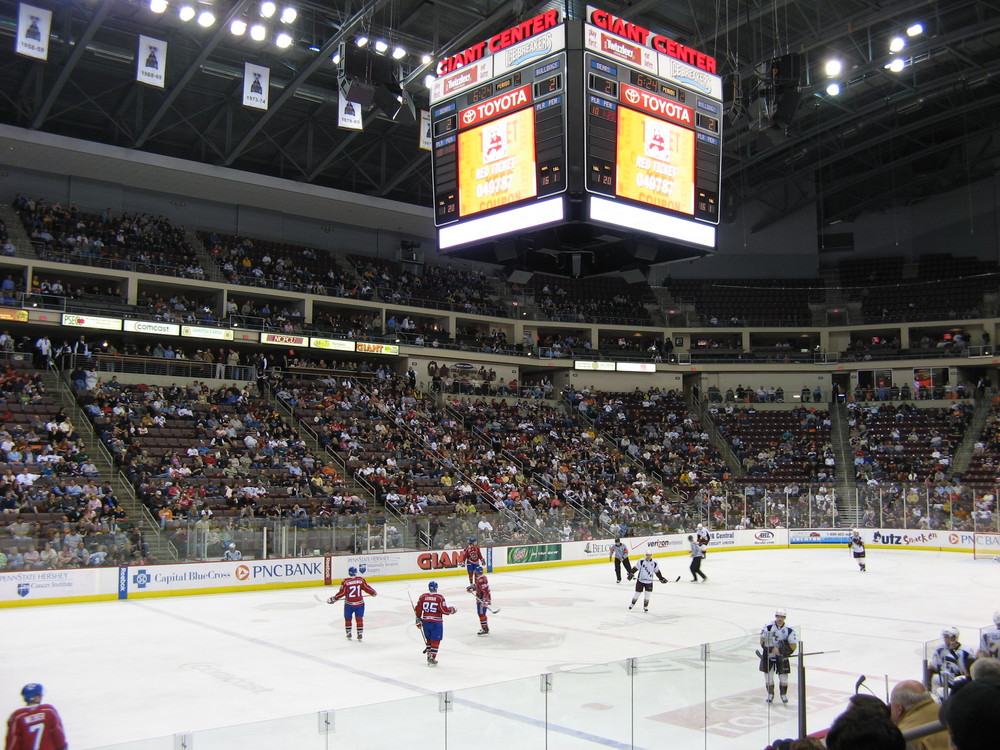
(267,9)
(238,27)
(897,44)
(381,46)
(833,68)
(361,41)
(158,6)
(206,19)
(915,29)
(895,65)
(258,32)
(289,14)
(398,53)
(283,40)
(833,89)
(186,13)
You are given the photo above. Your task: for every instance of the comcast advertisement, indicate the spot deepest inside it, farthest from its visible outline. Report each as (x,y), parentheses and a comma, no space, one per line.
(534,553)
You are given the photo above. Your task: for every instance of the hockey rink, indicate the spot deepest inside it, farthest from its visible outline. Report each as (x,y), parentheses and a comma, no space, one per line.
(132,674)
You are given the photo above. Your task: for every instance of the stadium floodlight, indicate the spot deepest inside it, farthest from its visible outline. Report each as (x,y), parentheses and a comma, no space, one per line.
(895,65)
(238,27)
(158,6)
(429,80)
(381,46)
(425,59)
(398,53)
(289,14)
(336,59)
(206,19)
(258,32)
(283,40)
(268,9)
(361,41)
(833,89)
(915,29)
(897,44)
(186,13)
(833,68)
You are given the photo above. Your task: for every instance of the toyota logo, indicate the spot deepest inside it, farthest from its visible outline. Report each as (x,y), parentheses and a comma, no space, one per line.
(242,573)
(632,95)
(469,116)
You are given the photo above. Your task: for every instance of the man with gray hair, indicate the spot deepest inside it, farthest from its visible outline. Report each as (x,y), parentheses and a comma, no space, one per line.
(911,706)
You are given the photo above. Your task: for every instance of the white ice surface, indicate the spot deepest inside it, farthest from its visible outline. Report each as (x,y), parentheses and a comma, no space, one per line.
(122,671)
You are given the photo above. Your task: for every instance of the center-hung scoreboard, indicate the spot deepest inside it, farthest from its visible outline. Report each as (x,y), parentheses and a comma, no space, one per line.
(553,122)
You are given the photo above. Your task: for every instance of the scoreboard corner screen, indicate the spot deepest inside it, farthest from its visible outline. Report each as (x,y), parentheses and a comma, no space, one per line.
(507,132)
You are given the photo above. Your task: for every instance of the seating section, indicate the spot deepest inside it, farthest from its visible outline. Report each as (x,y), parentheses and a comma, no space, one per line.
(785,446)
(603,299)
(901,442)
(742,302)
(57,509)
(194,452)
(141,243)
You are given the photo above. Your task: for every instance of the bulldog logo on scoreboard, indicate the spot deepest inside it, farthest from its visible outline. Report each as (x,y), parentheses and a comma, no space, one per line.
(495,142)
(657,139)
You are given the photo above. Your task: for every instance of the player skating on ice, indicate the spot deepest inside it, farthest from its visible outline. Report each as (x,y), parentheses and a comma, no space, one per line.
(950,661)
(697,555)
(646,570)
(35,726)
(989,643)
(777,642)
(619,553)
(430,610)
(473,559)
(857,546)
(481,589)
(352,591)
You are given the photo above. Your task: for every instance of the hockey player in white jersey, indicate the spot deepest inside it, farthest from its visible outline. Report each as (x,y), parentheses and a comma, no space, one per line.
(989,641)
(950,661)
(857,546)
(778,642)
(645,571)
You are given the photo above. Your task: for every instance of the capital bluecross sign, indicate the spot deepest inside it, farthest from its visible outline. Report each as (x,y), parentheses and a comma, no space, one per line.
(534,553)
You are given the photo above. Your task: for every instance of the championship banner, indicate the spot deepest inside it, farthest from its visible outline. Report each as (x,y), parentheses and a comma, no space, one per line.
(256,83)
(349,115)
(33,25)
(425,130)
(151,62)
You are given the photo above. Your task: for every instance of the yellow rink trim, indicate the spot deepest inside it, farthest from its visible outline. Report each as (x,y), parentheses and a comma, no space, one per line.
(58,600)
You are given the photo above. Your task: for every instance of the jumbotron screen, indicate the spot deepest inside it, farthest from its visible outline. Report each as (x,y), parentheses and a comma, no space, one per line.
(496,163)
(602,122)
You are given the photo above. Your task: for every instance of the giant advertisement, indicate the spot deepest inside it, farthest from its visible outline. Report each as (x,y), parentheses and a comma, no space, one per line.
(496,162)
(655,161)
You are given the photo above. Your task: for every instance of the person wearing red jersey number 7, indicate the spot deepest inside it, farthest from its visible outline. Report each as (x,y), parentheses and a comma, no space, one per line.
(430,610)
(37,726)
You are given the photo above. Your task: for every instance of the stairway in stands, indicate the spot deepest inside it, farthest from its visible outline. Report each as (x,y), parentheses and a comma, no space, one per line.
(17,233)
(848,512)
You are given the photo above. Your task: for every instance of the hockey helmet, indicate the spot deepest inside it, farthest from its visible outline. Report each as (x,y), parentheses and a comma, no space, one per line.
(855,532)
(649,555)
(617,539)
(472,540)
(432,586)
(31,692)
(996,618)
(780,612)
(950,632)
(352,571)
(479,570)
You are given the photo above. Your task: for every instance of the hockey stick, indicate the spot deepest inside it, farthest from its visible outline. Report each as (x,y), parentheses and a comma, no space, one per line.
(321,600)
(420,625)
(494,610)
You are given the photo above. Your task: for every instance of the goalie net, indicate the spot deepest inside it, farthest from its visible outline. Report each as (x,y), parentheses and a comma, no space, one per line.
(986,545)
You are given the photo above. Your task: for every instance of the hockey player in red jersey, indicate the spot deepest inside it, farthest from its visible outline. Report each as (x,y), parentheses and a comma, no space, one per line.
(481,589)
(352,591)
(430,610)
(473,559)
(37,726)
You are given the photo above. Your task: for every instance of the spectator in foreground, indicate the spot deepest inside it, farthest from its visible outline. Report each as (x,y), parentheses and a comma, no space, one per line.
(865,725)
(911,706)
(972,714)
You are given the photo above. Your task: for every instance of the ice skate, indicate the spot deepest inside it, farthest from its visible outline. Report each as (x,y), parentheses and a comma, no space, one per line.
(484,631)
